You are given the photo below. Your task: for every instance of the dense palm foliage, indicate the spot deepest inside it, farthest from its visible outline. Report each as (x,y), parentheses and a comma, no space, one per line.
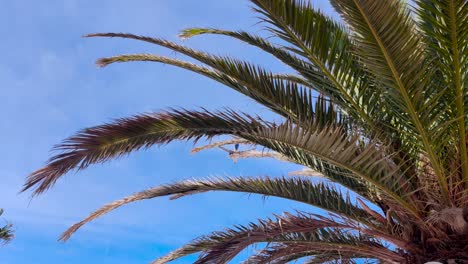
(377,105)
(6,232)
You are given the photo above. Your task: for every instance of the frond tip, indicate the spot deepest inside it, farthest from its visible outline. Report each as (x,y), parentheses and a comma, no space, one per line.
(123,136)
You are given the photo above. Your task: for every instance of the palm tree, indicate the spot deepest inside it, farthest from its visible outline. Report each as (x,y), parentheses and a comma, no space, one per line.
(377,105)
(6,233)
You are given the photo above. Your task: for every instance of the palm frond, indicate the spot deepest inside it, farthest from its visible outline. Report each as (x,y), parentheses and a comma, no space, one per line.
(6,232)
(366,162)
(285,96)
(101,143)
(300,233)
(328,47)
(389,46)
(384,123)
(445,24)
(318,147)
(221,246)
(279,253)
(297,189)
(340,258)
(311,75)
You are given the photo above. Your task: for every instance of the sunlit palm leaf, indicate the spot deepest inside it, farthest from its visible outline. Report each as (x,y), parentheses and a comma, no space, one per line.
(445,24)
(327,46)
(390,47)
(380,123)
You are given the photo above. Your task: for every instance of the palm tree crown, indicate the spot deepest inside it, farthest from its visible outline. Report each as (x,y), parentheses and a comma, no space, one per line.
(377,106)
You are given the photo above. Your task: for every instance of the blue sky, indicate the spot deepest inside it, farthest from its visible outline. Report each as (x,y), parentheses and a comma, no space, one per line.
(51,88)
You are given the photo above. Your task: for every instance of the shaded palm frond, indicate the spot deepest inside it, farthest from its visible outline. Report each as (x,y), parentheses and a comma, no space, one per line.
(340,258)
(326,242)
(221,246)
(297,189)
(310,74)
(278,254)
(282,253)
(305,233)
(318,148)
(101,143)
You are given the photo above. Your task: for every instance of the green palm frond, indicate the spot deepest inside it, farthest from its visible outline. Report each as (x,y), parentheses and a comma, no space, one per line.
(445,24)
(389,46)
(311,74)
(327,46)
(287,95)
(298,189)
(284,96)
(363,161)
(378,121)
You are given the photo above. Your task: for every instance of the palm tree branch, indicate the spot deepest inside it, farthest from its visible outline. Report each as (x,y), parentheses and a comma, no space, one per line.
(368,165)
(364,22)
(310,74)
(279,253)
(457,69)
(315,147)
(283,96)
(319,85)
(281,20)
(298,189)
(447,30)
(305,232)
